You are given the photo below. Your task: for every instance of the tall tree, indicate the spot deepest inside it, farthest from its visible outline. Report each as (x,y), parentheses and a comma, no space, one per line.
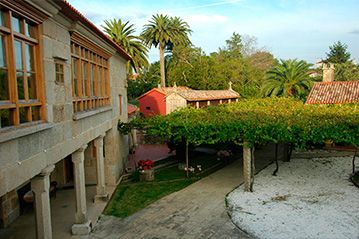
(338,53)
(165,32)
(123,34)
(289,78)
(347,71)
(148,79)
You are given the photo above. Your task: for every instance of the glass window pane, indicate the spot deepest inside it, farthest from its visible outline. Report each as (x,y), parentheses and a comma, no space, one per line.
(2,52)
(1,18)
(29,29)
(99,81)
(4,85)
(92,75)
(16,23)
(5,118)
(35,112)
(20,85)
(31,84)
(59,75)
(74,77)
(29,57)
(18,55)
(23,114)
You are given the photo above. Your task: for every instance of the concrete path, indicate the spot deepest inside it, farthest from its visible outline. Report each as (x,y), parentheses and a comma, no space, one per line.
(197,211)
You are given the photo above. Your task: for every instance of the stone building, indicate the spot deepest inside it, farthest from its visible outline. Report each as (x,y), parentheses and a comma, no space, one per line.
(62,92)
(164,100)
(333,92)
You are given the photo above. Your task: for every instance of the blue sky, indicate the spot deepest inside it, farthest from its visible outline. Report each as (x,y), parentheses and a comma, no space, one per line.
(302,29)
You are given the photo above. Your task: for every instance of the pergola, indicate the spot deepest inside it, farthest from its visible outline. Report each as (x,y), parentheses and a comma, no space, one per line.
(259,121)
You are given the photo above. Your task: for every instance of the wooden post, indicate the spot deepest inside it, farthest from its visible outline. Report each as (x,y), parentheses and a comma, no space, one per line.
(247,168)
(187,157)
(286,152)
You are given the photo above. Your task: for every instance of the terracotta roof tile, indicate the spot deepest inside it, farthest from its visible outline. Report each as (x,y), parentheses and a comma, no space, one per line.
(75,15)
(338,92)
(198,95)
(168,90)
(131,109)
(165,90)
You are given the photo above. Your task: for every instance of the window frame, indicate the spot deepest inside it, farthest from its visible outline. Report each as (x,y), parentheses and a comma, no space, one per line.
(90,87)
(61,63)
(33,108)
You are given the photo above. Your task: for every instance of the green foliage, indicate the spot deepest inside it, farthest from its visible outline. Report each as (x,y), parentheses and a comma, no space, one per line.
(123,34)
(131,198)
(338,53)
(123,128)
(165,32)
(259,121)
(347,71)
(191,67)
(288,78)
(148,79)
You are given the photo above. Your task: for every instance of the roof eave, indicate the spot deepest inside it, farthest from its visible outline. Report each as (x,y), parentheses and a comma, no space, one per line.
(69,11)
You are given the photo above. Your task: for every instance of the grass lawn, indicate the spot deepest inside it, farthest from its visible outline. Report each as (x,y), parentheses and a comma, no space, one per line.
(134,196)
(131,198)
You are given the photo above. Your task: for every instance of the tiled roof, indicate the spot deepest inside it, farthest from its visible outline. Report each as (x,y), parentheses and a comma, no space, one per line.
(337,92)
(166,90)
(198,95)
(131,109)
(72,13)
(195,95)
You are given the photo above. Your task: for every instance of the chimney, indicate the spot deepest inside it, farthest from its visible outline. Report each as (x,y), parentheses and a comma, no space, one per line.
(230,85)
(328,72)
(159,86)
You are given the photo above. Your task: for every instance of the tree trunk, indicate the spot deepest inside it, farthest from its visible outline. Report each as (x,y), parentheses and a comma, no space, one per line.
(162,65)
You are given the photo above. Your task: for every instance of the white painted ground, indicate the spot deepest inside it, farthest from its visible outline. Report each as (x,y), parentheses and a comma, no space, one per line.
(310,198)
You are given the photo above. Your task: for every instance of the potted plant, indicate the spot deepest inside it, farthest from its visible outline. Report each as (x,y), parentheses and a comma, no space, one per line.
(146,170)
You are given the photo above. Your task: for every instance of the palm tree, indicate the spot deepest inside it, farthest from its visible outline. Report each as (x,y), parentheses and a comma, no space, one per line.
(165,32)
(288,78)
(123,34)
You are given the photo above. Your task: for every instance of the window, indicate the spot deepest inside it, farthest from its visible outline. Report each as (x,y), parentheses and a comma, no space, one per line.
(90,75)
(148,108)
(20,78)
(59,72)
(120,103)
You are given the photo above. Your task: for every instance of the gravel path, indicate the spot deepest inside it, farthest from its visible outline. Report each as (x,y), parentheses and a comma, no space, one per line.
(310,198)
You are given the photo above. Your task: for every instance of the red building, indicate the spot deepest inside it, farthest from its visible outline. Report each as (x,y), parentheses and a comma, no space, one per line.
(164,100)
(153,102)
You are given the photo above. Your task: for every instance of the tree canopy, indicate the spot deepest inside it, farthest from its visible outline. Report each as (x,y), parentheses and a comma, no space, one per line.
(123,34)
(338,53)
(240,62)
(165,32)
(259,121)
(288,78)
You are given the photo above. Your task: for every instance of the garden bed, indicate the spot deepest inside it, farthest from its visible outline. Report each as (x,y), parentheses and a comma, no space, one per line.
(131,197)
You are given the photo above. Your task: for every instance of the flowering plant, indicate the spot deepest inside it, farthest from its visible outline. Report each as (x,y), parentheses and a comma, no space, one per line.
(145,164)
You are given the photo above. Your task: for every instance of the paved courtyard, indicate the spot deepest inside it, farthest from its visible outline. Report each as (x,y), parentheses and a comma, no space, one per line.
(197,211)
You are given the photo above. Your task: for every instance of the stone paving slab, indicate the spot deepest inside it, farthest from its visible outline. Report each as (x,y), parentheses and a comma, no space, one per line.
(197,211)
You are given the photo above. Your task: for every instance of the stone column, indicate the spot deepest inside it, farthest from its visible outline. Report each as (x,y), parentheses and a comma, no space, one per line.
(40,185)
(101,194)
(82,225)
(134,137)
(247,168)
